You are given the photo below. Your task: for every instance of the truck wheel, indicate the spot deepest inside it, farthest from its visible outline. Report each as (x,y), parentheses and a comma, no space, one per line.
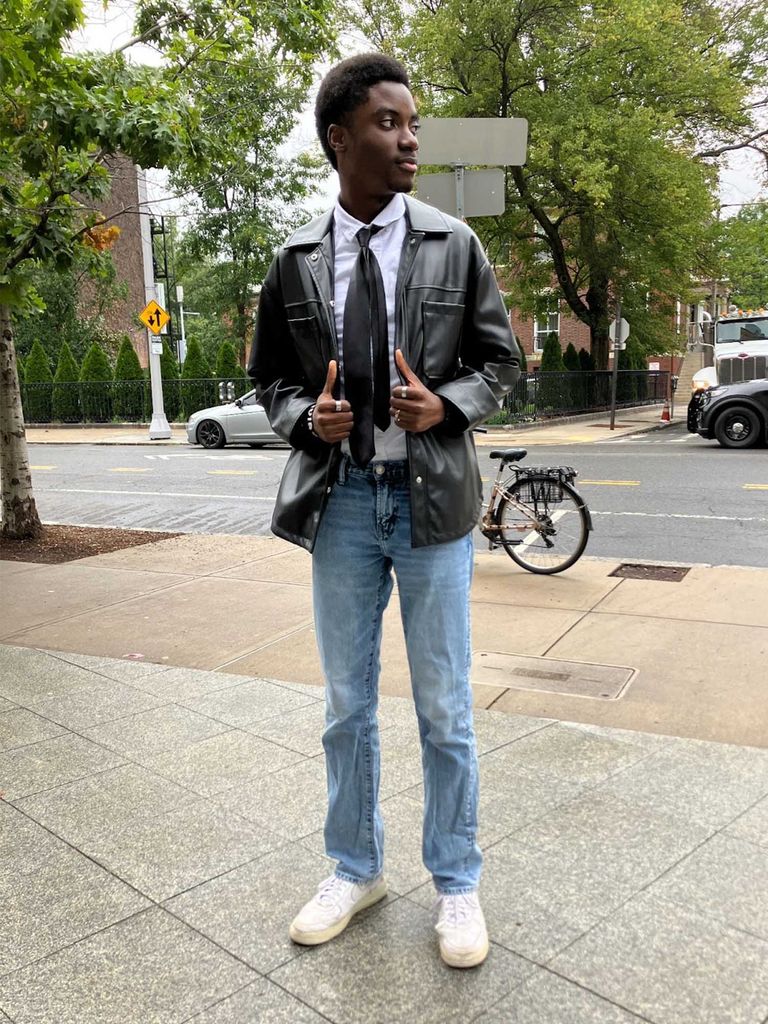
(737,427)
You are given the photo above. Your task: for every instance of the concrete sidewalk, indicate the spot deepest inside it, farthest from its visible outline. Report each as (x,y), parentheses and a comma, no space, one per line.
(163,791)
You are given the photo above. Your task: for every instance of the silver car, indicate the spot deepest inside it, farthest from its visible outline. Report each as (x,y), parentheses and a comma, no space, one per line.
(243,421)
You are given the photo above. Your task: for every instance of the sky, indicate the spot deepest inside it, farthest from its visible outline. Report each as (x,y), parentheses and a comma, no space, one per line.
(742,180)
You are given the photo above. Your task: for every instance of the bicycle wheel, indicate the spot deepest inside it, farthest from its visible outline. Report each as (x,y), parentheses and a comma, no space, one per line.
(549,529)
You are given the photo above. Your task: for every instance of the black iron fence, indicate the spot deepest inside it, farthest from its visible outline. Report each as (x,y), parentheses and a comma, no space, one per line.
(546,394)
(535,396)
(123,401)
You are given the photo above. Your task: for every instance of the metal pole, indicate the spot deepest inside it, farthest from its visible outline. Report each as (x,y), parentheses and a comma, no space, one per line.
(615,374)
(159,427)
(459,168)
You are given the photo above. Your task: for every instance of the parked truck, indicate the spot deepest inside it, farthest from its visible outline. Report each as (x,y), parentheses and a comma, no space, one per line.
(730,398)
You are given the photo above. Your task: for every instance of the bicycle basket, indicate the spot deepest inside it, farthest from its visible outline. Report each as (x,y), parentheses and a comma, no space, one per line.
(543,483)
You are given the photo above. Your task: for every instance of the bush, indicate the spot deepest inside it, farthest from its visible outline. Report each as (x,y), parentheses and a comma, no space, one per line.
(20,368)
(66,390)
(571,358)
(129,384)
(169,370)
(37,385)
(197,391)
(553,391)
(586,361)
(95,389)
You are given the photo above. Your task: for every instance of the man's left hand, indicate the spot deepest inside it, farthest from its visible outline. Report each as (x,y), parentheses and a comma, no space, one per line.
(412,405)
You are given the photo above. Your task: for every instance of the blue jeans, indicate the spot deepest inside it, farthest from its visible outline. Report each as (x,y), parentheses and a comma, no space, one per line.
(365,533)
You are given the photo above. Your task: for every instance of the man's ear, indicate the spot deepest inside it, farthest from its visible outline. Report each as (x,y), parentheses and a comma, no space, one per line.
(337,137)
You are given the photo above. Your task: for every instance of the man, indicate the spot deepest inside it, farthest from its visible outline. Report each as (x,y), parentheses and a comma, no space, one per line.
(381,341)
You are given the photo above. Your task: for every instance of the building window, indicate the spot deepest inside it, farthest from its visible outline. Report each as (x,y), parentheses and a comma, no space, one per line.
(546,321)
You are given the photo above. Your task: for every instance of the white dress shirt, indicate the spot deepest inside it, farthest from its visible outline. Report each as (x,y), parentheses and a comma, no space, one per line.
(387,246)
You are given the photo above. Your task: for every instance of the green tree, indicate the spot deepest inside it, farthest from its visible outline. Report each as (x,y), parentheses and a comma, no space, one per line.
(38,379)
(226,361)
(169,370)
(129,384)
(61,115)
(626,121)
(66,390)
(552,354)
(95,386)
(571,357)
(197,389)
(745,256)
(586,362)
(553,393)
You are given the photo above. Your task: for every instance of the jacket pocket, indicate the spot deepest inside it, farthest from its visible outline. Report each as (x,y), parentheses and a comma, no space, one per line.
(305,334)
(441,323)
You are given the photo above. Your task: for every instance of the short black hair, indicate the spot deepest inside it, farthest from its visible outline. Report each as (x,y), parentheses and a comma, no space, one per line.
(346,86)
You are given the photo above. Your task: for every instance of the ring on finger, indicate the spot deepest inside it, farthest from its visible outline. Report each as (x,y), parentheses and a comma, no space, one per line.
(338,405)
(404,392)
(397,416)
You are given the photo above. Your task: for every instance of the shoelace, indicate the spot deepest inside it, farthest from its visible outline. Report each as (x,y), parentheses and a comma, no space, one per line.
(330,890)
(458,909)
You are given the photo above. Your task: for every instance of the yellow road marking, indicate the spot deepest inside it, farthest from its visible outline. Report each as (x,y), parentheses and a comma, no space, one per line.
(42,467)
(612,483)
(232,472)
(747,487)
(128,469)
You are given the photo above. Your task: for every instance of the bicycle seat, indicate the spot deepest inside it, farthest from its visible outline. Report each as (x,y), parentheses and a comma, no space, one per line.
(509,454)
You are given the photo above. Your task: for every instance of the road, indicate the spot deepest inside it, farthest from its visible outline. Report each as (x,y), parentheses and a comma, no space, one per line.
(666,496)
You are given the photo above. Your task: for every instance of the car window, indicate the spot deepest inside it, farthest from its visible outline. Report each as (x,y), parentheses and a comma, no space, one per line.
(248,400)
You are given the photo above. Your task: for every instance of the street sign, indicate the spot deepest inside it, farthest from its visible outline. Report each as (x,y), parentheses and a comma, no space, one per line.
(473,140)
(483,192)
(612,331)
(154,317)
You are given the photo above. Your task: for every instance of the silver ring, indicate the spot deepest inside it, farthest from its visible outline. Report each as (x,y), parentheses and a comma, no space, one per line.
(404,392)
(338,405)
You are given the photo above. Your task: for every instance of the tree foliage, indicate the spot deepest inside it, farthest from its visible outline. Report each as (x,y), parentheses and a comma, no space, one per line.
(745,256)
(629,103)
(37,371)
(129,384)
(95,394)
(66,392)
(193,375)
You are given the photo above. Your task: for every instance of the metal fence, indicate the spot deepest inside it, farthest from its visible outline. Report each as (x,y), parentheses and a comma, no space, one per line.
(123,401)
(548,394)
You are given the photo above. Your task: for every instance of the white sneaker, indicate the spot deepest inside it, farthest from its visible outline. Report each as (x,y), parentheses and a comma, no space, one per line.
(461,929)
(329,912)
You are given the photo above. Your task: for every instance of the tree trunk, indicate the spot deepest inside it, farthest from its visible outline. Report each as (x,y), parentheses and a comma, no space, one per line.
(19,512)
(598,297)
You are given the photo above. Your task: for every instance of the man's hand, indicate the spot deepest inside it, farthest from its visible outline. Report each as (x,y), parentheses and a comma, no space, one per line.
(332,419)
(412,405)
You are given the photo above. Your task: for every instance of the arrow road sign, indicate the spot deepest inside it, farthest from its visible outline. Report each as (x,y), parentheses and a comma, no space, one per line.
(154,317)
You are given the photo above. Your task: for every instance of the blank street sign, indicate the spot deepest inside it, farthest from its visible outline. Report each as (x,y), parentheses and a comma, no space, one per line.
(486,141)
(483,192)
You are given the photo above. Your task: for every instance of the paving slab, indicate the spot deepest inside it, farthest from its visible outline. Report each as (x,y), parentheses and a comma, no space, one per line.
(546,997)
(126,670)
(19,727)
(194,553)
(252,701)
(150,967)
(344,981)
(752,825)
(9,568)
(148,733)
(201,624)
(52,896)
(287,566)
(670,965)
(49,763)
(259,1003)
(247,910)
(499,580)
(29,676)
(70,591)
(103,702)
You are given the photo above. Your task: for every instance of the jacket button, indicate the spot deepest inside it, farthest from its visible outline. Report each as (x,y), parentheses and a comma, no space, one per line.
(313,257)
(327,490)
(418,479)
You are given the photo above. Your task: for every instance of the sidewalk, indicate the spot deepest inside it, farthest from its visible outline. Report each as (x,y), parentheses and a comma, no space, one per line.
(162,785)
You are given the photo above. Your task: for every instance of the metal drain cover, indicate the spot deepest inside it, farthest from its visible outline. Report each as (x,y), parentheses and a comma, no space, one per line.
(638,571)
(574,678)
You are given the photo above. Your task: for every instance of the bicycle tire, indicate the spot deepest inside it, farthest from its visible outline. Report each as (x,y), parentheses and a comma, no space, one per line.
(525,545)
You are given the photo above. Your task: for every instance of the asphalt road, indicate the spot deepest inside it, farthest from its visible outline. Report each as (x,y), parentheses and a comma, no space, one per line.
(665,496)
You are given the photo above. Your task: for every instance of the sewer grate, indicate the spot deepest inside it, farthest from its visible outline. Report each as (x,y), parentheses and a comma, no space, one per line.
(638,571)
(550,675)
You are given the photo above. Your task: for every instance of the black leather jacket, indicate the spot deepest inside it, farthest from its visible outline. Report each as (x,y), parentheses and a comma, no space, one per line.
(455,335)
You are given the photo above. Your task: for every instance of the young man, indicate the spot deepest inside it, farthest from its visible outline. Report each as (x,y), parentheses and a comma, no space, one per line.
(381,341)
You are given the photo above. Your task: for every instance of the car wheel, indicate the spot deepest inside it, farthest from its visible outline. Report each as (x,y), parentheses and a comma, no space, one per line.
(737,427)
(210,434)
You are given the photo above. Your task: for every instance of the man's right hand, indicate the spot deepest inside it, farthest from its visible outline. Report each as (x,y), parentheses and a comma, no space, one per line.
(332,419)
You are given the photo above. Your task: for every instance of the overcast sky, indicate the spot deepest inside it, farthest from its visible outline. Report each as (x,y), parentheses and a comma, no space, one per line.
(741,181)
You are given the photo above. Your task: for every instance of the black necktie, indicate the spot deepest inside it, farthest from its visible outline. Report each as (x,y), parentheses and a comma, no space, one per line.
(366,350)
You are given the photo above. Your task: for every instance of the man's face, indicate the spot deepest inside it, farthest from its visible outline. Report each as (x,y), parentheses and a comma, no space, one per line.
(377,145)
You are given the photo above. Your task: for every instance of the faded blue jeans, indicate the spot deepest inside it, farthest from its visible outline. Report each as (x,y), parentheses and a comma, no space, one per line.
(365,533)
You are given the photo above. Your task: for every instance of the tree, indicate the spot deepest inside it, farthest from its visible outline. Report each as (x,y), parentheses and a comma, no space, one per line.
(129,384)
(196,391)
(571,358)
(630,103)
(66,392)
(38,378)
(95,393)
(61,115)
(586,362)
(169,370)
(745,256)
(552,354)
(553,391)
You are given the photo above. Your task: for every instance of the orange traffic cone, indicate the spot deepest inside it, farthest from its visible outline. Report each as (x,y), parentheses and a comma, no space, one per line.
(665,417)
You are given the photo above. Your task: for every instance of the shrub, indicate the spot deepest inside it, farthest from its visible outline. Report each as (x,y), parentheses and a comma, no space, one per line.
(129,384)
(586,361)
(96,382)
(37,385)
(169,370)
(571,358)
(197,390)
(553,391)
(66,390)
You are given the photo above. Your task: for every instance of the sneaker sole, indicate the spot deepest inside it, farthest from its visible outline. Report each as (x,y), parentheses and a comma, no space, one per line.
(317,938)
(470,959)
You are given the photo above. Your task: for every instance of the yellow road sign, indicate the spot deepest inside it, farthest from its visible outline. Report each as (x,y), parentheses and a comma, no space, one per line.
(154,317)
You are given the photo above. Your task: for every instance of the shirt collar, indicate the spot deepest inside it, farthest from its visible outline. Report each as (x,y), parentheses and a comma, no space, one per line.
(349,225)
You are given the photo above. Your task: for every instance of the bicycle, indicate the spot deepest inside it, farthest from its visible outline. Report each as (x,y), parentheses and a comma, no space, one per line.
(541,520)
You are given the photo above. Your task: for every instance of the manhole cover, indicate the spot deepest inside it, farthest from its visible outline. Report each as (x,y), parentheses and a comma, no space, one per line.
(550,675)
(636,571)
